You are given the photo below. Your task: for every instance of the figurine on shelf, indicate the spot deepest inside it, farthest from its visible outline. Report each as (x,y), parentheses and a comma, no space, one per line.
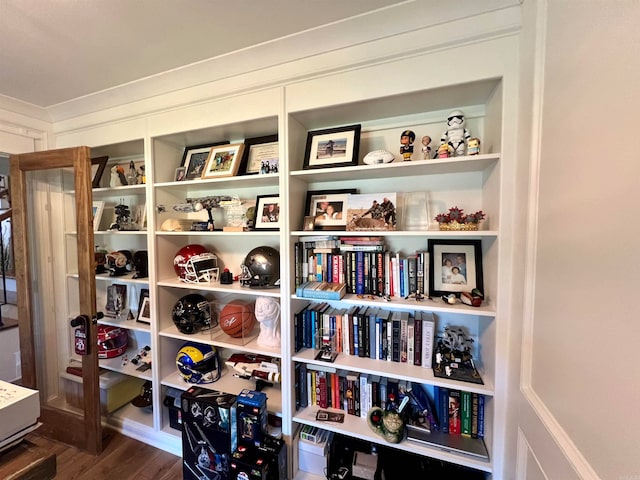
(426,149)
(123,219)
(267,312)
(118,178)
(453,357)
(444,151)
(388,424)
(473,146)
(406,144)
(456,136)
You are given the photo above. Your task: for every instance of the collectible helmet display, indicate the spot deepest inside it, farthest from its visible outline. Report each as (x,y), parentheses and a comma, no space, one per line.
(141,264)
(192,313)
(119,263)
(194,263)
(112,341)
(261,268)
(198,363)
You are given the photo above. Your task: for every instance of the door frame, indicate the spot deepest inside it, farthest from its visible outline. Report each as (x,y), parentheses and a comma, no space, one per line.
(82,432)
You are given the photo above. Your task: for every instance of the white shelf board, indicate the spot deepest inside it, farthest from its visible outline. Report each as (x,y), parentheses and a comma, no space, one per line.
(398,233)
(234,288)
(217,233)
(124,323)
(220,339)
(427,305)
(357,427)
(467,163)
(401,371)
(241,181)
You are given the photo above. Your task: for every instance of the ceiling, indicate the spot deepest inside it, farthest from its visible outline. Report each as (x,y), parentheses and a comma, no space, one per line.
(53,51)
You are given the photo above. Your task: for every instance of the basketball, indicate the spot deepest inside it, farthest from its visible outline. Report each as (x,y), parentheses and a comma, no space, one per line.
(237,319)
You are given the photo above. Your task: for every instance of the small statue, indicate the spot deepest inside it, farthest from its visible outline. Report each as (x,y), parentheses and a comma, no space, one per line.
(426,149)
(388,424)
(123,219)
(406,144)
(473,146)
(118,178)
(444,151)
(455,135)
(267,312)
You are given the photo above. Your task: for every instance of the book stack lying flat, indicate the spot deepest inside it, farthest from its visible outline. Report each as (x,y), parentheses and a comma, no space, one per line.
(322,290)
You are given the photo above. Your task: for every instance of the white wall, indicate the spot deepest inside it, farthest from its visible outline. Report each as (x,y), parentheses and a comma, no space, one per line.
(581,373)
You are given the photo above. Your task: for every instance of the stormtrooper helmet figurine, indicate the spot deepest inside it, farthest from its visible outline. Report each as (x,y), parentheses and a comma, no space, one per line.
(456,136)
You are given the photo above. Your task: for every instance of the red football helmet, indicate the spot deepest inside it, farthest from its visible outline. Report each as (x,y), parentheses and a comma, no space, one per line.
(193,264)
(112,341)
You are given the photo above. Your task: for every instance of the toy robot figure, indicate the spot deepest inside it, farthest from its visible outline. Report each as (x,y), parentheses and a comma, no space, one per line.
(426,149)
(456,135)
(406,144)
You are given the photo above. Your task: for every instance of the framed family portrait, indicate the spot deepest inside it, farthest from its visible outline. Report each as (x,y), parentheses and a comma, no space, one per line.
(98,208)
(97,169)
(328,208)
(261,156)
(194,159)
(223,161)
(454,266)
(333,147)
(267,212)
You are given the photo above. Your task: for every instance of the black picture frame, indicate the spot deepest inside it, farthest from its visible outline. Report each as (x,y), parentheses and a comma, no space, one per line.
(257,149)
(336,196)
(263,220)
(194,159)
(143,306)
(98,165)
(443,250)
(332,147)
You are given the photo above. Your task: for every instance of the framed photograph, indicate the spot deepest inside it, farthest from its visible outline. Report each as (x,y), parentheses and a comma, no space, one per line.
(267,212)
(454,266)
(372,212)
(223,161)
(194,159)
(334,147)
(181,174)
(261,156)
(98,208)
(309,223)
(139,215)
(328,208)
(144,314)
(97,169)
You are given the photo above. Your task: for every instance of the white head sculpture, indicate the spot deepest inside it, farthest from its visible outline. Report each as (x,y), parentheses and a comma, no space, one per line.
(267,310)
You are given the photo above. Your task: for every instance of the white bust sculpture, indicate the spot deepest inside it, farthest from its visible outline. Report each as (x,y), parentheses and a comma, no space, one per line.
(267,310)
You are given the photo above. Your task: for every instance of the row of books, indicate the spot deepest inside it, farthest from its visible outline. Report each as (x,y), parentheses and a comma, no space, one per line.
(365,266)
(367,331)
(432,408)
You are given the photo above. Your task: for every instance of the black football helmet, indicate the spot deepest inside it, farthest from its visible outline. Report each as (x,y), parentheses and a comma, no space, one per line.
(192,314)
(141,264)
(261,268)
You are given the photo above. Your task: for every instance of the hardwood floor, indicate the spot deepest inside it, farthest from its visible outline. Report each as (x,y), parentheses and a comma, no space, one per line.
(122,458)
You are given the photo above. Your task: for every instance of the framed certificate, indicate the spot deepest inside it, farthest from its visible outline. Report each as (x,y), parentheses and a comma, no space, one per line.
(261,155)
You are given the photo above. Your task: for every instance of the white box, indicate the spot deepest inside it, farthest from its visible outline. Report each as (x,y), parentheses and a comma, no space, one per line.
(312,457)
(19,408)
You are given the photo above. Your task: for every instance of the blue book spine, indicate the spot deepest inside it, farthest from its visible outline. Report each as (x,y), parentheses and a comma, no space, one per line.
(373,339)
(356,349)
(480,416)
(444,407)
(360,273)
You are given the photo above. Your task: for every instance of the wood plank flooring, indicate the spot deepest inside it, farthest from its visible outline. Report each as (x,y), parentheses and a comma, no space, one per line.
(122,458)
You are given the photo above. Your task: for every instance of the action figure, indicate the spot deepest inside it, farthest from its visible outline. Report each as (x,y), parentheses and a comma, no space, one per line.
(426,149)
(473,146)
(406,144)
(455,135)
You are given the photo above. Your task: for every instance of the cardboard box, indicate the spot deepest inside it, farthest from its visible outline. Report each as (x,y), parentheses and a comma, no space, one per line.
(19,408)
(209,433)
(275,451)
(312,456)
(252,417)
(172,399)
(247,463)
(116,390)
